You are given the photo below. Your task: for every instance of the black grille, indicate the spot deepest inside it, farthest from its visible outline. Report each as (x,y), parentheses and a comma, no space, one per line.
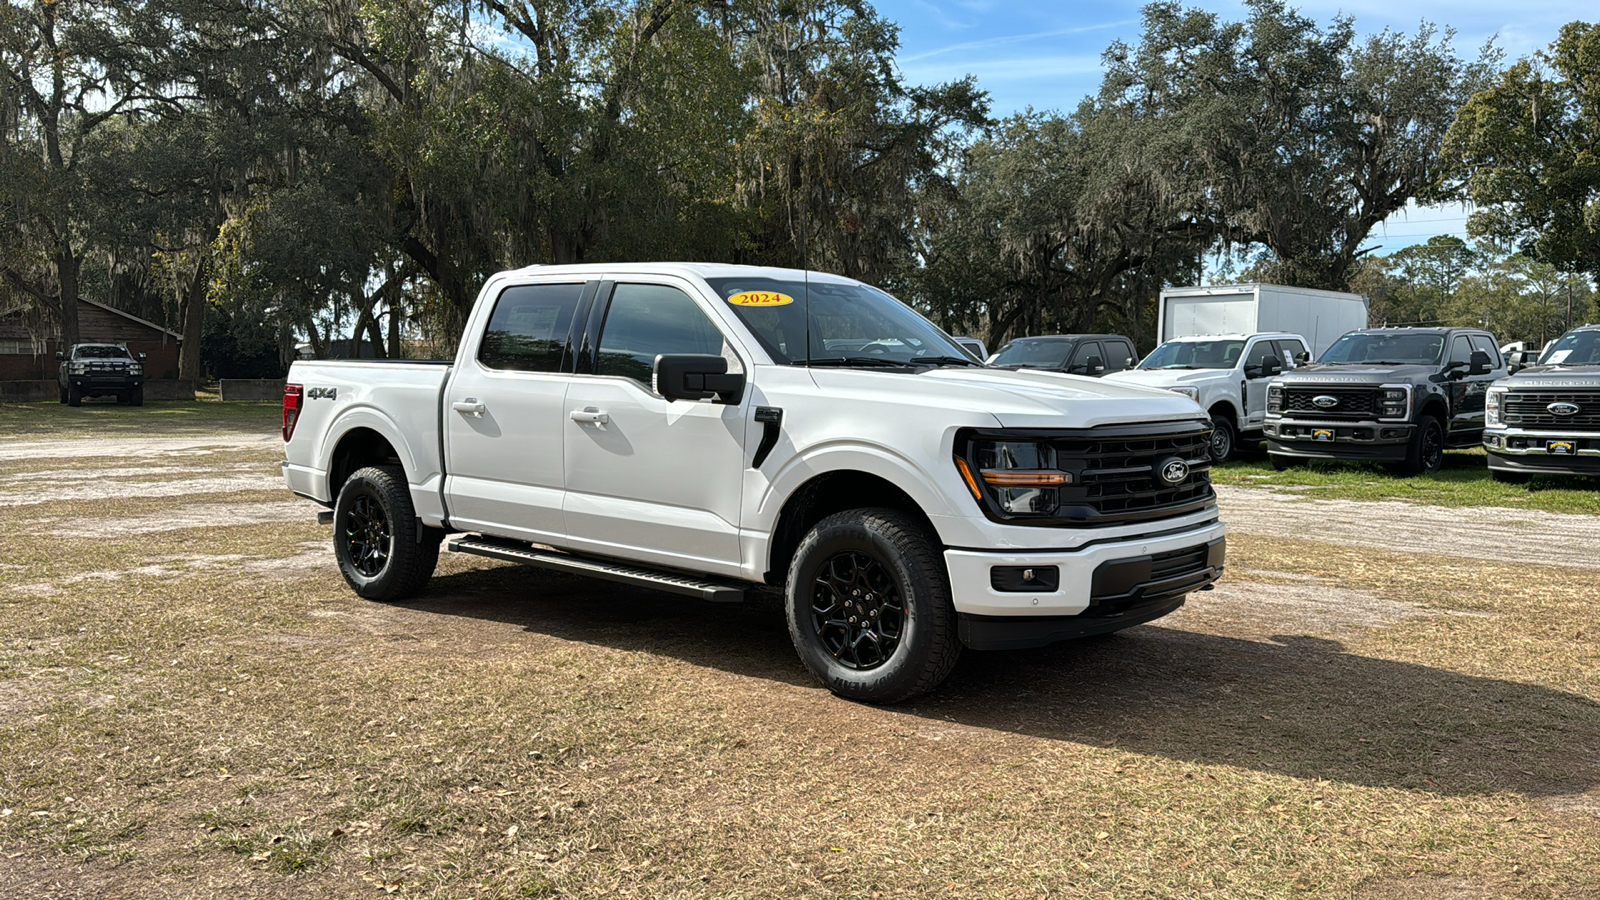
(1357,403)
(1178,562)
(1117,478)
(1527,409)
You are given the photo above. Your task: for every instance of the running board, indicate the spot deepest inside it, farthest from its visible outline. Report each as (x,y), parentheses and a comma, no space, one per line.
(657,579)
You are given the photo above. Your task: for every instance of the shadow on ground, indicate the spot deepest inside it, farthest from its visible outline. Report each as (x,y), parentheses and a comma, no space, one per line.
(1296,706)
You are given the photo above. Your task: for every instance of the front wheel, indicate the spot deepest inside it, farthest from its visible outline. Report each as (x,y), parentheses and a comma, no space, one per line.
(136,396)
(1281,462)
(74,396)
(1425,454)
(1224,437)
(376,538)
(869,609)
(1509,477)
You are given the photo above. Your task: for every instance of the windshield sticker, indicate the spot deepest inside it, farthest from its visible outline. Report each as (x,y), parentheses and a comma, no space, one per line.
(1558,357)
(760,298)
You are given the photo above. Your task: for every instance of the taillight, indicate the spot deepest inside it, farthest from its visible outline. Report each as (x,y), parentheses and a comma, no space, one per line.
(293,396)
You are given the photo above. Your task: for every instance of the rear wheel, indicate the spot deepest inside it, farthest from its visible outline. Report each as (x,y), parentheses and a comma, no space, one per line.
(1510,477)
(74,396)
(384,553)
(869,609)
(136,396)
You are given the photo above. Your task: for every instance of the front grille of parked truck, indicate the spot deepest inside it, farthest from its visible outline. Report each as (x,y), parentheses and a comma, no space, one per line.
(1522,408)
(1350,403)
(1095,476)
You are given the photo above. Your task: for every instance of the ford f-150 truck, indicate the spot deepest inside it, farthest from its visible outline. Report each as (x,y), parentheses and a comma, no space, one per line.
(1547,418)
(708,429)
(1399,396)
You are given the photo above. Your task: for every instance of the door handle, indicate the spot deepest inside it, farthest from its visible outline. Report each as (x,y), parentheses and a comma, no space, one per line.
(590,414)
(470,406)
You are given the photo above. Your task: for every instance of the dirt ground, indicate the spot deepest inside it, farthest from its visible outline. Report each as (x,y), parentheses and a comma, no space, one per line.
(1380,700)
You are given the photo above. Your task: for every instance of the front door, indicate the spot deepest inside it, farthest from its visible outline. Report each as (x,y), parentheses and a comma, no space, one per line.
(502,413)
(648,479)
(1253,386)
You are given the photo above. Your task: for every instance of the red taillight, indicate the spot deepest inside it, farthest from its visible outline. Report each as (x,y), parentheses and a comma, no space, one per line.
(293,395)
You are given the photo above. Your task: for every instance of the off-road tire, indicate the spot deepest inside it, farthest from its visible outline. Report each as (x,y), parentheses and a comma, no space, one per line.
(1510,477)
(396,564)
(136,396)
(904,553)
(63,395)
(1281,462)
(74,397)
(1425,453)
(1224,439)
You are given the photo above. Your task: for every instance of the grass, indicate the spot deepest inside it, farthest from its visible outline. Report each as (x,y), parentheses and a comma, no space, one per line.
(155,417)
(1464,481)
(210,709)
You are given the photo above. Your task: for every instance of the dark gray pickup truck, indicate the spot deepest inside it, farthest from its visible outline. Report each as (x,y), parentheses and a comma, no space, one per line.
(1398,396)
(98,370)
(1546,418)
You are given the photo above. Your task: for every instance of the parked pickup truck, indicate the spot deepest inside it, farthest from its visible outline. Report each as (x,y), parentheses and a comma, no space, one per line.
(1547,418)
(95,370)
(1398,396)
(708,429)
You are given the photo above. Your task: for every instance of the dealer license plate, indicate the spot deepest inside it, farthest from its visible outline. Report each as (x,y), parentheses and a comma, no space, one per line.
(1561,448)
(1322,434)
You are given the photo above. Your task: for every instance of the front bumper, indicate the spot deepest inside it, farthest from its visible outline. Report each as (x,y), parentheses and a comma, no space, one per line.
(1365,439)
(1516,450)
(105,383)
(1110,581)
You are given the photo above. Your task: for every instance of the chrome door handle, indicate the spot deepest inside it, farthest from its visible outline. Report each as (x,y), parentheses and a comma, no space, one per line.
(590,414)
(470,406)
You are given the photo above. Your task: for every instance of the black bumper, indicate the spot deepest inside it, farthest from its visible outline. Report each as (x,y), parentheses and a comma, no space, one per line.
(1125,593)
(1365,440)
(105,384)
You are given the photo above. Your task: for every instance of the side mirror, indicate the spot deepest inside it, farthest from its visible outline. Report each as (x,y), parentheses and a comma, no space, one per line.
(1303,357)
(142,357)
(1271,366)
(696,376)
(60,355)
(1096,365)
(1480,364)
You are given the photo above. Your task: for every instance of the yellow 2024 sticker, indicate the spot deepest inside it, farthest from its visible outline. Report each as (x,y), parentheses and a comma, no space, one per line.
(760,298)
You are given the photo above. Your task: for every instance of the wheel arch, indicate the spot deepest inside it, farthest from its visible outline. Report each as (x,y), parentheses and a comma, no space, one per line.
(358,447)
(1434,405)
(827,493)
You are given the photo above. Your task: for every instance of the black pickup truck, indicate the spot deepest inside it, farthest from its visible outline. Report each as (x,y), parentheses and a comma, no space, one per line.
(1398,396)
(96,370)
(1546,418)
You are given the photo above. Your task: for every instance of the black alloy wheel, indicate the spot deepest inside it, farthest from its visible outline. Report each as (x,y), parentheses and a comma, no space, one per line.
(367,536)
(1432,446)
(858,610)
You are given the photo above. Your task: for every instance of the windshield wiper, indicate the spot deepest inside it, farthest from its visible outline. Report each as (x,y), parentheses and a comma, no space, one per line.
(943,361)
(872,362)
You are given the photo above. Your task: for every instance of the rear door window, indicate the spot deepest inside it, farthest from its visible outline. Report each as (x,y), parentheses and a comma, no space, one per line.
(1287,351)
(530,328)
(1119,355)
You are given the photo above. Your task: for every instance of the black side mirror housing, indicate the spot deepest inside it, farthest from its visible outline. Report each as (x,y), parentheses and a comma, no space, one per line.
(1271,366)
(60,355)
(142,357)
(696,376)
(1303,357)
(1480,363)
(1096,365)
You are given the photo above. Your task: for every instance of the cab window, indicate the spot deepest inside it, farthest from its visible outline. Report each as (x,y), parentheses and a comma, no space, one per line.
(1259,351)
(1287,351)
(530,327)
(646,320)
(1482,342)
(1460,350)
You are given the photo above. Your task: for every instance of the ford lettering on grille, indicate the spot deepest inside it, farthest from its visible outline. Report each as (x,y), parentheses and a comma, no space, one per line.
(1563,409)
(1323,401)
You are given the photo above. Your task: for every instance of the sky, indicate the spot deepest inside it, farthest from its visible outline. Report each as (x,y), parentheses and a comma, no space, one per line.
(1046,55)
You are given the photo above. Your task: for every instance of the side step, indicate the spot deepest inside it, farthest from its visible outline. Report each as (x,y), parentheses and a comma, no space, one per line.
(657,579)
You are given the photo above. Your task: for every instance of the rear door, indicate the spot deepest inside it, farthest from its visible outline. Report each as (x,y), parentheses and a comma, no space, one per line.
(503,414)
(1119,355)
(648,479)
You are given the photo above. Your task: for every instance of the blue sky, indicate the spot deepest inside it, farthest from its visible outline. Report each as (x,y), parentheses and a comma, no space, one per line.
(1046,55)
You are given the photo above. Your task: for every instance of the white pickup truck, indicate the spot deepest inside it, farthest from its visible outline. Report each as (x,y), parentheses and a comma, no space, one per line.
(709,429)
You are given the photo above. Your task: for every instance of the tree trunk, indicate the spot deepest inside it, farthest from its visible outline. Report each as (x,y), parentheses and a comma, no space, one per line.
(68,265)
(192,305)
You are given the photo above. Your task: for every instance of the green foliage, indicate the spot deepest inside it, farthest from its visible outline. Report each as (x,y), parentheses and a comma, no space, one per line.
(1527,145)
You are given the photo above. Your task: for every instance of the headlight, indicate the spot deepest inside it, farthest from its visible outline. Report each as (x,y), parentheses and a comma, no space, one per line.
(1193,393)
(1491,406)
(136,369)
(1274,399)
(1020,477)
(78,369)
(1394,402)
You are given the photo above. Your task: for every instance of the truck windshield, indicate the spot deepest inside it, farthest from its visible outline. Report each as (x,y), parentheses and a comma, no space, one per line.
(851,324)
(1032,354)
(1218,354)
(1575,348)
(1385,349)
(100,351)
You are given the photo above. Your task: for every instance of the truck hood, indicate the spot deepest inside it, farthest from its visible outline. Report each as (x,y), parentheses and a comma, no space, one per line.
(1166,378)
(1555,377)
(1017,398)
(1320,375)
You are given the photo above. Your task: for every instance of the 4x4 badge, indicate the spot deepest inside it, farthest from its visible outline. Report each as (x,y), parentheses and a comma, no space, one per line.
(1563,408)
(1323,401)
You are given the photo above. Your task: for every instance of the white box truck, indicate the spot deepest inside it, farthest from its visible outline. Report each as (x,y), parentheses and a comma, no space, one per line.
(1220,345)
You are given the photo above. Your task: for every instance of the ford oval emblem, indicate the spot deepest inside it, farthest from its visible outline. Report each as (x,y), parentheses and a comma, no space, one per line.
(1323,401)
(1563,409)
(1174,471)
